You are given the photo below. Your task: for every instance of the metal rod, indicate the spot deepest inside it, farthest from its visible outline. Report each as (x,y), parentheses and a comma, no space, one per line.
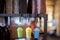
(27,15)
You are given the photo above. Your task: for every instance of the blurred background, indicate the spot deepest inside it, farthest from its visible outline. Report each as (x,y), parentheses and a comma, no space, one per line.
(49,7)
